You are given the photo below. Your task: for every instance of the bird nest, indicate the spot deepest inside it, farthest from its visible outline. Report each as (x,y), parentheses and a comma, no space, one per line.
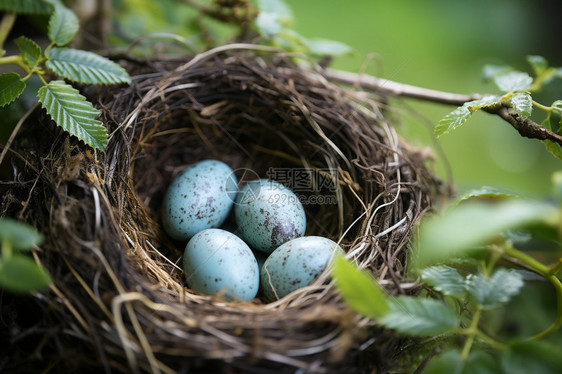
(119,301)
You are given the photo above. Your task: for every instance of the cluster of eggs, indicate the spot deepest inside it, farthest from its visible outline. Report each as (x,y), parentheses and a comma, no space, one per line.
(266,251)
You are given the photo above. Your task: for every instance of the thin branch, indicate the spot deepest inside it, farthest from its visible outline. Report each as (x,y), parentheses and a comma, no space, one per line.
(526,128)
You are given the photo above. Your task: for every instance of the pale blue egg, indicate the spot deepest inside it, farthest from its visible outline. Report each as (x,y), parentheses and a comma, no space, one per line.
(268,214)
(200,197)
(296,264)
(216,260)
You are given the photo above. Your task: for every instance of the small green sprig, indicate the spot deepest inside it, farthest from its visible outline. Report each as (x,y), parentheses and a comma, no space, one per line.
(516,104)
(66,106)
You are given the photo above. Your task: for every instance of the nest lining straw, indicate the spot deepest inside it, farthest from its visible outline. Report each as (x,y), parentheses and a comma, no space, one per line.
(119,297)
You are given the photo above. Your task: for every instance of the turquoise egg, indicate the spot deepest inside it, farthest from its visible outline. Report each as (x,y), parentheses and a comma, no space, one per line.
(216,260)
(296,264)
(268,214)
(200,197)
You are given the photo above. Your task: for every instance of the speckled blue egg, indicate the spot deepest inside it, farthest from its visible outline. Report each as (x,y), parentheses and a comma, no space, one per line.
(268,214)
(215,260)
(200,197)
(295,264)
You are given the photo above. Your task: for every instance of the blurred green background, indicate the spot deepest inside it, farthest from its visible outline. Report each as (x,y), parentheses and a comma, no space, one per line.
(444,44)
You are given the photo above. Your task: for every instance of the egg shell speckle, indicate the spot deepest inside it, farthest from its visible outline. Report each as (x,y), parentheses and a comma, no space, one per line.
(268,214)
(200,197)
(216,260)
(295,264)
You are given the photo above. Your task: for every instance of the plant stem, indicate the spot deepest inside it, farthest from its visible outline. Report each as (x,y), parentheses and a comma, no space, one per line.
(542,107)
(5,27)
(547,272)
(472,331)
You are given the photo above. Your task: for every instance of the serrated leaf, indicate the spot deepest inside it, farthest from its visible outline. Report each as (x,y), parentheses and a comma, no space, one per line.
(513,81)
(530,356)
(522,104)
(73,113)
(474,223)
(11,87)
(452,121)
(415,316)
(459,116)
(538,63)
(445,279)
(325,47)
(492,292)
(19,235)
(554,148)
(30,51)
(63,25)
(20,274)
(273,17)
(85,67)
(359,289)
(25,7)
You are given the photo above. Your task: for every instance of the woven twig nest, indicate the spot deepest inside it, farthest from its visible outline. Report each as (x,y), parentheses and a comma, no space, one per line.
(120,302)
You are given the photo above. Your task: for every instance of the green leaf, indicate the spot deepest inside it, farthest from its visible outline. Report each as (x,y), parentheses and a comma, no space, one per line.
(19,235)
(85,67)
(445,279)
(11,87)
(474,223)
(489,72)
(538,63)
(63,25)
(554,148)
(513,81)
(359,289)
(451,362)
(25,6)
(530,356)
(73,113)
(522,104)
(459,116)
(452,121)
(485,193)
(415,316)
(492,292)
(557,106)
(273,17)
(324,47)
(30,51)
(21,274)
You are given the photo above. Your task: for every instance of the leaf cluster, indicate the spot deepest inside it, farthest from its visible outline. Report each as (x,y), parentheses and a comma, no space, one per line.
(66,106)
(456,257)
(517,89)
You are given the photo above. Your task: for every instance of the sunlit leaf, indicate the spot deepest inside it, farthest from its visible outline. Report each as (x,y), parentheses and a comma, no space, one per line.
(30,51)
(415,316)
(11,87)
(514,81)
(557,106)
(20,235)
(452,121)
(85,67)
(496,290)
(274,15)
(445,279)
(474,223)
(489,72)
(530,356)
(359,289)
(522,104)
(21,274)
(63,25)
(73,113)
(538,63)
(483,193)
